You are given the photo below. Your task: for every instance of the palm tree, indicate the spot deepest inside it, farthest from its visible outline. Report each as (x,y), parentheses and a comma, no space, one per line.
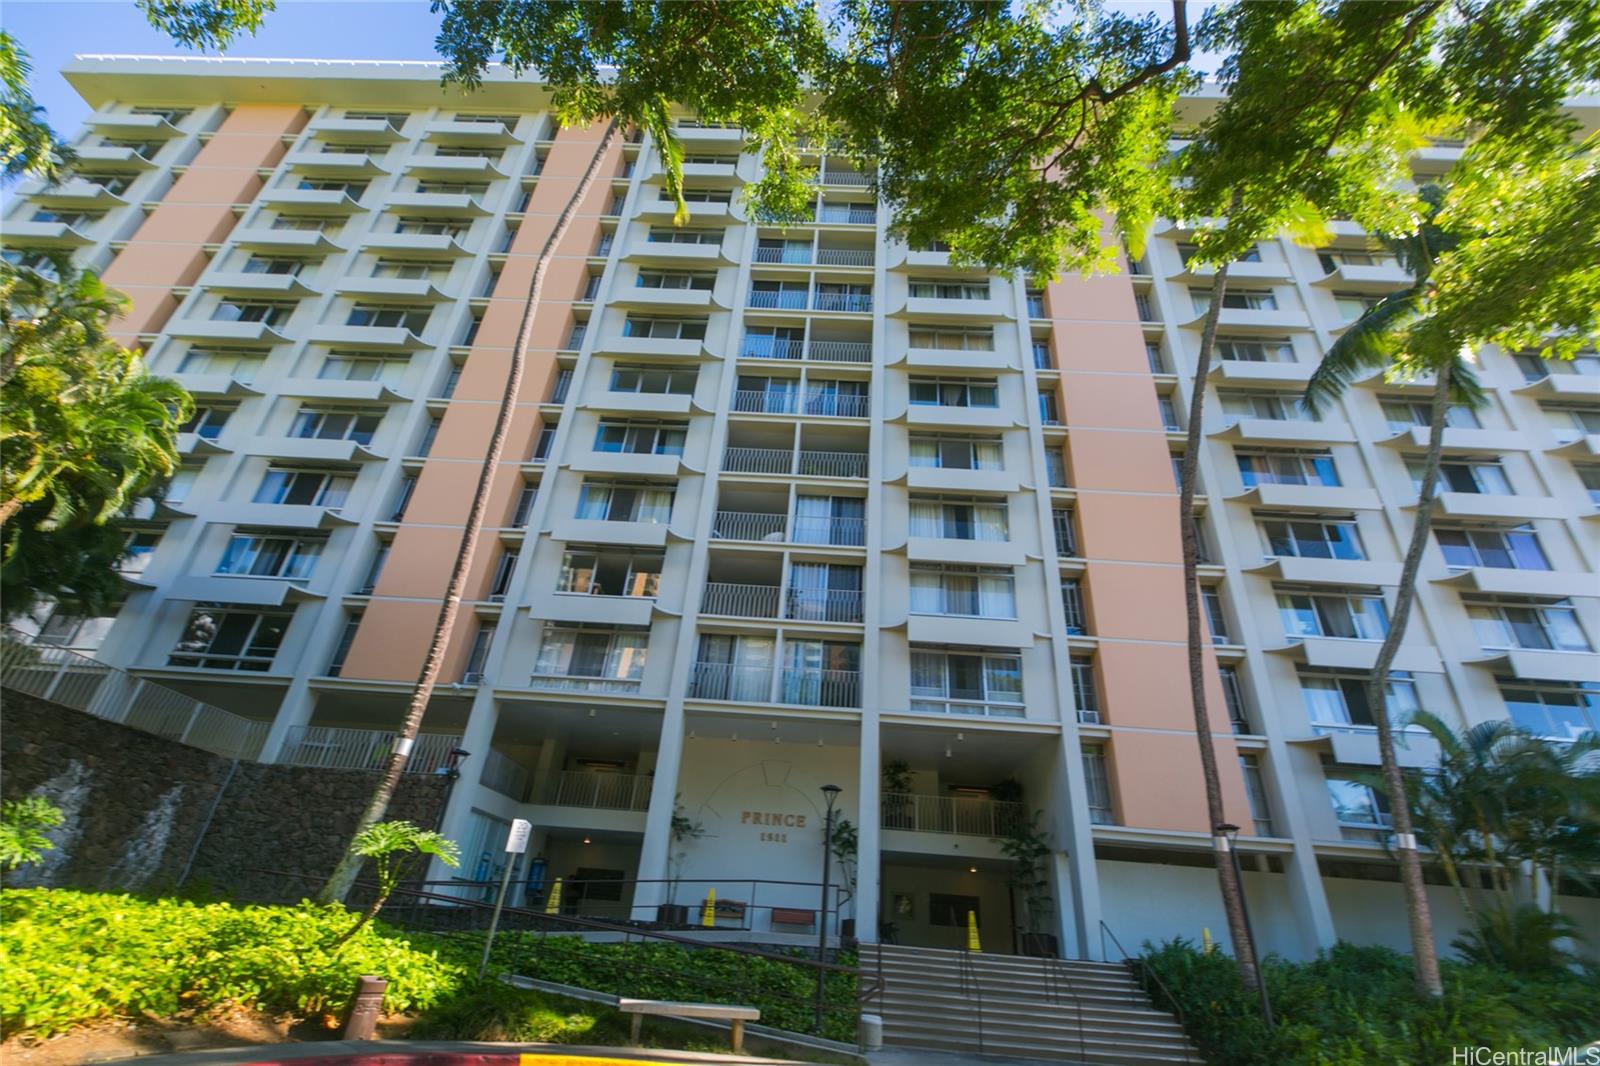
(344,874)
(1373,342)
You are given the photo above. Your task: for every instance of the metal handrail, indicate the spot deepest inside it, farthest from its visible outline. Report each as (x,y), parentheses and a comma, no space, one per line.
(334,748)
(1055,978)
(738,459)
(823,605)
(596,791)
(958,815)
(740,600)
(1141,973)
(967,975)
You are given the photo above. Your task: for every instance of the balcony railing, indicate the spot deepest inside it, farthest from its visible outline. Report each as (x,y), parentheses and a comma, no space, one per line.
(829,176)
(963,815)
(505,775)
(821,688)
(831,464)
(765,402)
(741,460)
(753,684)
(774,402)
(725,681)
(981,708)
(841,301)
(788,299)
(798,255)
(837,405)
(742,601)
(599,791)
(823,605)
(96,688)
(759,347)
(859,216)
(332,748)
(774,527)
(845,257)
(583,683)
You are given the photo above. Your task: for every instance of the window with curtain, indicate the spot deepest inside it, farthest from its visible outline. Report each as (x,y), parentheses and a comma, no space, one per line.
(974,592)
(1543,626)
(958,519)
(1351,616)
(1341,699)
(608,502)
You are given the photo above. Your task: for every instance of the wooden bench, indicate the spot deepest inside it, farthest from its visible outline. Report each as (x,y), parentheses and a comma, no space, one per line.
(794,916)
(727,910)
(736,1016)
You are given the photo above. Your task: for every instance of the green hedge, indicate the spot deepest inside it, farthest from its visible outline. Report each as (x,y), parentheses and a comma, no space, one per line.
(784,994)
(1359,1004)
(72,957)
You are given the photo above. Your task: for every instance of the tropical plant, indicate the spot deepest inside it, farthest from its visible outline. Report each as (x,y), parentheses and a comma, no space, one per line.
(845,844)
(394,849)
(28,146)
(683,830)
(1028,848)
(24,826)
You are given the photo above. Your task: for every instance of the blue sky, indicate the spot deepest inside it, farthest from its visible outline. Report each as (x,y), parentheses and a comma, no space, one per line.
(53,31)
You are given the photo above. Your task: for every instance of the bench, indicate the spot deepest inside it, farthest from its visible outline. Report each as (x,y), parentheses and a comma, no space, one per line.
(735,1016)
(727,910)
(793,916)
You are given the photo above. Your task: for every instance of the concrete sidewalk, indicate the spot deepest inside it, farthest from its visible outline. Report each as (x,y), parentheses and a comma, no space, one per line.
(440,1053)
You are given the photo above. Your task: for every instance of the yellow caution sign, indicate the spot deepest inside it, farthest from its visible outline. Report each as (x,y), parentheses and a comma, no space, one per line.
(708,916)
(972,932)
(1207,945)
(553,904)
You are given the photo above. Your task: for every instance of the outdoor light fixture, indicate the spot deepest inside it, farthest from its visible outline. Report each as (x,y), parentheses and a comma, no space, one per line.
(586,840)
(972,869)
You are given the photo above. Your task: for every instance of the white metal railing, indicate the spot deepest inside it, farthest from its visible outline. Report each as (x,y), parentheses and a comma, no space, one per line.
(820,688)
(839,351)
(836,404)
(583,683)
(829,176)
(750,525)
(797,685)
(832,464)
(745,601)
(762,347)
(982,708)
(853,215)
(852,257)
(765,401)
(798,256)
(505,775)
(77,681)
(725,681)
(964,815)
(739,460)
(850,532)
(823,605)
(841,301)
(743,460)
(787,299)
(333,748)
(585,788)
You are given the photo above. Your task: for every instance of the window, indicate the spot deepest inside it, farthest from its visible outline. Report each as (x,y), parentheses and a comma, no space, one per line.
(466,151)
(1352,305)
(1049,408)
(954,392)
(1168,410)
(269,313)
(559,389)
(935,289)
(1233,696)
(333,423)
(1513,549)
(1085,689)
(958,453)
(1333,258)
(958,519)
(147,149)
(1590,476)
(1153,356)
(952,339)
(374,570)
(1347,615)
(1255,787)
(1310,538)
(1403,414)
(654,380)
(1564,711)
(1542,626)
(829,520)
(607,658)
(840,296)
(580,330)
(824,592)
(115,184)
(434,227)
(960,683)
(611,572)
(1042,359)
(347,637)
(1568,422)
(207,422)
(1484,477)
(408,485)
(1286,468)
(267,555)
(857,214)
(137,548)
(703,196)
(967,591)
(1072,607)
(352,189)
(452,188)
(363,366)
(1250,255)
(729,667)
(394,119)
(1216,617)
(1097,784)
(656,279)
(623,502)
(171,115)
(1356,804)
(641,438)
(665,328)
(413,319)
(1035,299)
(76,219)
(504,567)
(541,447)
(790,295)
(311,488)
(410,269)
(1055,468)
(306,224)
(182,481)
(1236,299)
(509,122)
(773,342)
(1534,368)
(1340,699)
(260,265)
(1276,407)
(664,235)
(1239,350)
(220,637)
(1061,521)
(477,655)
(707,159)
(430,433)
(836,398)
(775,250)
(25,259)
(519,513)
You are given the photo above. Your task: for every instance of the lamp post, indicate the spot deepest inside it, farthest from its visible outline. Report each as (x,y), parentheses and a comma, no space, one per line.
(451,772)
(1228,835)
(830,793)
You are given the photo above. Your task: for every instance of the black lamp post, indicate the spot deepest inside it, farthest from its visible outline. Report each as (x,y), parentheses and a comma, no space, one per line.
(830,793)
(1228,833)
(451,772)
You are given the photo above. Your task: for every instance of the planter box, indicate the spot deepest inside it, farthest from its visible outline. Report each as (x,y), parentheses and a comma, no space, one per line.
(672,915)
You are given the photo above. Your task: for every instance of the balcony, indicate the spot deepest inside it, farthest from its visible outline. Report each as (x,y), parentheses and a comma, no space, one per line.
(109,155)
(846,215)
(585,683)
(124,124)
(330,748)
(977,708)
(753,684)
(353,130)
(439,204)
(72,192)
(205,329)
(1288,431)
(730,600)
(595,791)
(311,201)
(52,234)
(284,240)
(772,402)
(842,301)
(353,164)
(784,461)
(1253,320)
(962,815)
(384,338)
(395,290)
(429,245)
(774,528)
(822,256)
(230,281)
(1374,278)
(822,351)
(469,132)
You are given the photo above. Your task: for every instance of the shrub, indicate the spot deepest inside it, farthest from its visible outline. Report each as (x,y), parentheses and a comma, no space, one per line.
(491,1010)
(71,957)
(1359,1004)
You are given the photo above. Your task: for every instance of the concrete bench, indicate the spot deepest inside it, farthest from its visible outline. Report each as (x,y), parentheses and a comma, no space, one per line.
(737,1016)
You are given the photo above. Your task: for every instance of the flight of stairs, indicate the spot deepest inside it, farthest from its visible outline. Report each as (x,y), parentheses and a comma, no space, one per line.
(1081,1012)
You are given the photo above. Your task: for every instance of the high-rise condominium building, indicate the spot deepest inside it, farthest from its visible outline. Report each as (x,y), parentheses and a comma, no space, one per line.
(793,507)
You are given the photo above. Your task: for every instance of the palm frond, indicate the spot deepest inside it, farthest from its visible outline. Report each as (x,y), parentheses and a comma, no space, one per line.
(1365,346)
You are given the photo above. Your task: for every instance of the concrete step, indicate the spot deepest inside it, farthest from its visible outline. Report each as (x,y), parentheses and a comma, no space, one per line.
(1090,1053)
(1045,1036)
(1050,1015)
(1023,989)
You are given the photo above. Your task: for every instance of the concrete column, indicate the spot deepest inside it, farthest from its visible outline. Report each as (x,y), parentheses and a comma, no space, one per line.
(655,855)
(296,710)
(869,803)
(479,731)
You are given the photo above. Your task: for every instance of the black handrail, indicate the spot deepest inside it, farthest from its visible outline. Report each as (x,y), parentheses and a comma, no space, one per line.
(1143,971)
(967,972)
(1055,977)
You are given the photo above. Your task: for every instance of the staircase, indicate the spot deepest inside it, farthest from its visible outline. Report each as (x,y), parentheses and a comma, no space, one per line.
(1080,1012)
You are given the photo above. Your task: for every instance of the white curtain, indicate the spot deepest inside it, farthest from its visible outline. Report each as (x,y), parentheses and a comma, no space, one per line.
(990,520)
(987,455)
(594,501)
(655,504)
(924,451)
(927,674)
(927,518)
(927,593)
(997,596)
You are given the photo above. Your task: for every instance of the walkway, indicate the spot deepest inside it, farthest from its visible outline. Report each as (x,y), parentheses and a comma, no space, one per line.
(446,1053)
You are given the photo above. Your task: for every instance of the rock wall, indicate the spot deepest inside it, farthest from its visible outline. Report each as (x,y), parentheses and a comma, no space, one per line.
(136,808)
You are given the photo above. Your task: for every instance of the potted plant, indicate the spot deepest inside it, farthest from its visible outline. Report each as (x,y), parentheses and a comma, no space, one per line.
(672,914)
(1028,849)
(845,843)
(898,812)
